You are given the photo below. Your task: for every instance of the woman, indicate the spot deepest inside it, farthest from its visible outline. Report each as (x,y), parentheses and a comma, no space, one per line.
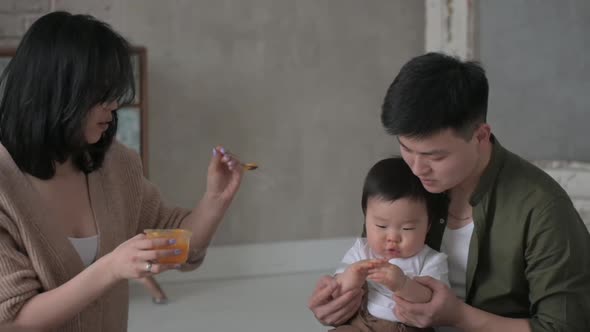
(63,179)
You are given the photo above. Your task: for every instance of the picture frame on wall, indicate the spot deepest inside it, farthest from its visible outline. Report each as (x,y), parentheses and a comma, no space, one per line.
(132,119)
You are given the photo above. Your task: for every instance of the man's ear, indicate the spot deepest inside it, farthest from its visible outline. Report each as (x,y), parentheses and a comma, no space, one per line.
(482,134)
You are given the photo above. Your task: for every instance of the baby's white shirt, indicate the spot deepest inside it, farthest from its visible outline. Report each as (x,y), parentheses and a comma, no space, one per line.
(428,262)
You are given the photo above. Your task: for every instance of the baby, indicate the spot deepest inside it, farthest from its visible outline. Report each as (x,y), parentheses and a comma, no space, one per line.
(398,213)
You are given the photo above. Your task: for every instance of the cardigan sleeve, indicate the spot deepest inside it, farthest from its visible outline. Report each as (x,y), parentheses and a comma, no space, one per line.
(125,172)
(155,213)
(18,279)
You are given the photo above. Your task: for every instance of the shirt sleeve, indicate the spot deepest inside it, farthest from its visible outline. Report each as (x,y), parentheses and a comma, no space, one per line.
(354,254)
(436,266)
(558,269)
(18,279)
(123,172)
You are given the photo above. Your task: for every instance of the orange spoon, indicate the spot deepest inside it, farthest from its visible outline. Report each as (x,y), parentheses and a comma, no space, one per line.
(250,166)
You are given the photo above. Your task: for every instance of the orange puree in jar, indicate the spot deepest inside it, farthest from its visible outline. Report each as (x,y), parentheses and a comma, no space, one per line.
(182,237)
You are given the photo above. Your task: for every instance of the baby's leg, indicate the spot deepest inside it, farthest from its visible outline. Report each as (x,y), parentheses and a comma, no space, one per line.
(356,324)
(361,321)
(346,328)
(405,328)
(381,325)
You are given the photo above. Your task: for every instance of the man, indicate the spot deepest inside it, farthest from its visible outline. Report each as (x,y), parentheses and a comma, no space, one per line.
(517,247)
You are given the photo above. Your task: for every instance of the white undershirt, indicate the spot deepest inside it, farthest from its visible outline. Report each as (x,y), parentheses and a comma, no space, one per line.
(86,248)
(455,244)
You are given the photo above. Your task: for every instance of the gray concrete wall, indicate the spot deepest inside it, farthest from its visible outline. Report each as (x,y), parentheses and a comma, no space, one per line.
(293,85)
(536,56)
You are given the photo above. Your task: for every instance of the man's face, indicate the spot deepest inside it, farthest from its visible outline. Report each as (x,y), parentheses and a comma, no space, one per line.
(444,160)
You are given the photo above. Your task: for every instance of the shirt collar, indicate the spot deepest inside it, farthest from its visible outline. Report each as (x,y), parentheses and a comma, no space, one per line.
(490,174)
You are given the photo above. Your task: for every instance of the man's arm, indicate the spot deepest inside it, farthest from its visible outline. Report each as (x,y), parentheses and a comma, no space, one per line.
(445,309)
(558,268)
(557,271)
(476,320)
(332,311)
(330,305)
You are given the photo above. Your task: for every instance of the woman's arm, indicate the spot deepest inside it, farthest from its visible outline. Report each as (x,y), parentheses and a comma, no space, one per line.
(53,308)
(203,221)
(224,176)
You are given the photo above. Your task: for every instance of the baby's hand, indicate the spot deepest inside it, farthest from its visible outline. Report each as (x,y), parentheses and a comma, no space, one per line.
(389,275)
(356,273)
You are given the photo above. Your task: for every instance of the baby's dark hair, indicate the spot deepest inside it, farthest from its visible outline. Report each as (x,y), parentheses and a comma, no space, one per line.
(391,179)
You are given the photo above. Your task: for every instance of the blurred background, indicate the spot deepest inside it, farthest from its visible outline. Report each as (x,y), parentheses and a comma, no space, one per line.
(297,86)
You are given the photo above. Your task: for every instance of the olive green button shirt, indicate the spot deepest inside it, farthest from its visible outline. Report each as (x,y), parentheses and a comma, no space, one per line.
(529,255)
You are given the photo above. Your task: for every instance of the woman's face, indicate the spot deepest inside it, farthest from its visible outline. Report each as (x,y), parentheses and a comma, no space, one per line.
(98,121)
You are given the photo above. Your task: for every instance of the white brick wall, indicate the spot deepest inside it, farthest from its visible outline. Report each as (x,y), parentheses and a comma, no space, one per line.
(11,25)
(574,177)
(17,15)
(20,6)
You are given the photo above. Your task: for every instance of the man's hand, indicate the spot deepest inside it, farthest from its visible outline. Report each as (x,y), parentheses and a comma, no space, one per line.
(330,310)
(442,310)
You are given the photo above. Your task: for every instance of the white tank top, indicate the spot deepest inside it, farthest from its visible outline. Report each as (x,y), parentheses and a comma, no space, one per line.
(455,244)
(86,248)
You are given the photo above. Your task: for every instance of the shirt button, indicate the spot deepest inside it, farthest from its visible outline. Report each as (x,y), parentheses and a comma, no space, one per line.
(442,221)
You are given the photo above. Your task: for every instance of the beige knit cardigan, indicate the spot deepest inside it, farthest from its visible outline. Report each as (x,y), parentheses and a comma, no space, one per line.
(36,256)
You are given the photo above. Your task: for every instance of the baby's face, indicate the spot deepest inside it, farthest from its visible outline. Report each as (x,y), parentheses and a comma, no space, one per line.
(396,229)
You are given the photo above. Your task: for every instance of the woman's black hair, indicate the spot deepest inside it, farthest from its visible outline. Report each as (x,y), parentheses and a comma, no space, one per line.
(64,66)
